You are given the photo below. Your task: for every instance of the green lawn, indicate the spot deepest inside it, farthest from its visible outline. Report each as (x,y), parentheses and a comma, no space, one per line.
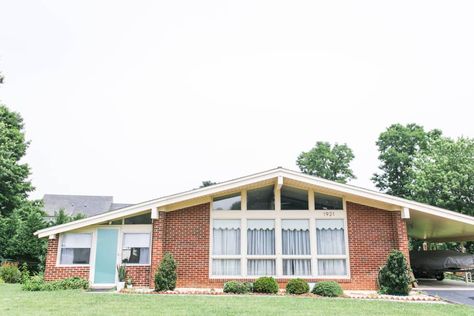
(14,301)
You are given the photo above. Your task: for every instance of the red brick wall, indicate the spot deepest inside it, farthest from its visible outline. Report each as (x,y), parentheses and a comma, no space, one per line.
(372,233)
(52,272)
(140,275)
(187,238)
(157,245)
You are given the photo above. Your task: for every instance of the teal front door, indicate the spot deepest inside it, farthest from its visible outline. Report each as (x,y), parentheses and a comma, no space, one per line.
(105,256)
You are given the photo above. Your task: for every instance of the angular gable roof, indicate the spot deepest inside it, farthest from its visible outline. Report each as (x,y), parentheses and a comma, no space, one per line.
(350,192)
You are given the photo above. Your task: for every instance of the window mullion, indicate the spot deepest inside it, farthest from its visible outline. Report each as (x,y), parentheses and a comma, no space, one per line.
(313,246)
(243,247)
(278,248)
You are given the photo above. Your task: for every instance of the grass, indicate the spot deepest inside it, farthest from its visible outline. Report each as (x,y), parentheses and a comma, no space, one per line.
(14,301)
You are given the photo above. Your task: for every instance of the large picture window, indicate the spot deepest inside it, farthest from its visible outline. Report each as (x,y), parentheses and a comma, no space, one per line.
(331,242)
(261,199)
(261,243)
(297,239)
(295,245)
(227,203)
(327,202)
(226,247)
(136,248)
(293,198)
(75,248)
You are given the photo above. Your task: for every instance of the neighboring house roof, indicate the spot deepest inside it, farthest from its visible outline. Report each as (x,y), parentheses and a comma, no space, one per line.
(426,221)
(88,205)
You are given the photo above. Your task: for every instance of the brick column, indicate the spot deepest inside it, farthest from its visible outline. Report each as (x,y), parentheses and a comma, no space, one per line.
(401,235)
(157,246)
(51,256)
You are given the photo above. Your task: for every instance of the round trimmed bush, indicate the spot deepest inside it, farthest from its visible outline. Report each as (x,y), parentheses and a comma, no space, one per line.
(265,285)
(297,286)
(236,287)
(327,288)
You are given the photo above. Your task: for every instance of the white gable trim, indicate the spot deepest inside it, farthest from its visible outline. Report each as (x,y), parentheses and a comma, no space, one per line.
(278,173)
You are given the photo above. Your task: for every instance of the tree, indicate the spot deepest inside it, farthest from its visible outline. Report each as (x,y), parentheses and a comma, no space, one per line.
(16,234)
(14,183)
(61,217)
(398,146)
(328,162)
(444,175)
(207,183)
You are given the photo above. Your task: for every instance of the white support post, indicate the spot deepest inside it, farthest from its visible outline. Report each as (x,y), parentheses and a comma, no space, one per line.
(405,213)
(154,213)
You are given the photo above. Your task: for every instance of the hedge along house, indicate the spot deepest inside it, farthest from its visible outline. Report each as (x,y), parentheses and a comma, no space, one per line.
(278,223)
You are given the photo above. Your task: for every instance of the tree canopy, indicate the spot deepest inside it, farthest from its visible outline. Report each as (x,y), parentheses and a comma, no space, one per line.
(398,147)
(14,183)
(444,175)
(328,162)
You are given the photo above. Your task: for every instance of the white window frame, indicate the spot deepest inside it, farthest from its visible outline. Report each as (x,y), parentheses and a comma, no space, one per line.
(246,256)
(92,248)
(278,215)
(128,230)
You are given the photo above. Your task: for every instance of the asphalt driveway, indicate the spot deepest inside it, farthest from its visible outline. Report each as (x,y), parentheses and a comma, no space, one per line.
(449,290)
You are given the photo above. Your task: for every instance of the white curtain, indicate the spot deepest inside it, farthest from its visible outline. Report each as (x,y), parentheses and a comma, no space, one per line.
(330,237)
(295,242)
(226,241)
(226,267)
(261,241)
(261,267)
(296,267)
(331,266)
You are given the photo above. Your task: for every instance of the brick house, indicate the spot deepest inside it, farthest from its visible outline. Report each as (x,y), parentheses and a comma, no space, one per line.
(278,223)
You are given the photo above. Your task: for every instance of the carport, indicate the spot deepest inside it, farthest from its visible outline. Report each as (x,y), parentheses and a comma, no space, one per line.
(443,226)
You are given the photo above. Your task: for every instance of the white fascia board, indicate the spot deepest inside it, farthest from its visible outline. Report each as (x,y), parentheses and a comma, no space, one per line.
(258,177)
(378,196)
(166,200)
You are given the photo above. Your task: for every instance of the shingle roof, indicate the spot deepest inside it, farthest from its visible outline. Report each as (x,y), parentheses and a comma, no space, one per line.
(88,205)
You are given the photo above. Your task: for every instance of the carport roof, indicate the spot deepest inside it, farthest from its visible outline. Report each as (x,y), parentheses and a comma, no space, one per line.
(424,222)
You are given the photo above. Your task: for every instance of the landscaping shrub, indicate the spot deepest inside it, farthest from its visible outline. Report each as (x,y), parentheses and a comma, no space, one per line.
(10,273)
(165,276)
(25,274)
(265,285)
(327,288)
(37,283)
(297,286)
(394,278)
(74,283)
(237,287)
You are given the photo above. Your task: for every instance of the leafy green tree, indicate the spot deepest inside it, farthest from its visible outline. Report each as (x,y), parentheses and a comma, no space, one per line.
(398,147)
(444,175)
(62,217)
(14,183)
(16,234)
(328,162)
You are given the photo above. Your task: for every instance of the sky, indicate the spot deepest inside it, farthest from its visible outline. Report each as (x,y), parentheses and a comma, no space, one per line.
(140,99)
